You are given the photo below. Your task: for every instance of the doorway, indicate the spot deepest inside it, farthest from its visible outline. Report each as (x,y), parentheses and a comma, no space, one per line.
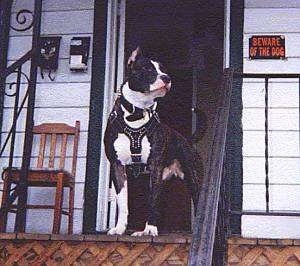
(187,38)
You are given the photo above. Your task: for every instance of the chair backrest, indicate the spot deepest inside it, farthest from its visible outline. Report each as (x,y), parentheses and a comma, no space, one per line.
(49,135)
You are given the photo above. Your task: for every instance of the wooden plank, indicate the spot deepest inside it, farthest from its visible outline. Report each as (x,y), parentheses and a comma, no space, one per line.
(271,3)
(63,74)
(63,151)
(19,45)
(75,148)
(284,143)
(18,255)
(253,119)
(283,20)
(131,256)
(282,197)
(253,143)
(75,253)
(58,205)
(281,170)
(254,197)
(36,145)
(45,196)
(264,66)
(103,254)
(279,119)
(80,172)
(270,226)
(281,95)
(52,115)
(52,150)
(53,128)
(284,170)
(164,254)
(40,161)
(47,253)
(54,5)
(57,95)
(251,257)
(74,21)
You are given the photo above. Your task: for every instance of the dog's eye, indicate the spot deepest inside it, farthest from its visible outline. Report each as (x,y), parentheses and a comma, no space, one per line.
(162,68)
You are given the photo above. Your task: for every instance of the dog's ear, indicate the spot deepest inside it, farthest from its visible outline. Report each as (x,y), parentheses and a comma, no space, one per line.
(134,55)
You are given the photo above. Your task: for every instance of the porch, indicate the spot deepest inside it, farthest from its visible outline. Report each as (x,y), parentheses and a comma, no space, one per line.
(217,227)
(171,249)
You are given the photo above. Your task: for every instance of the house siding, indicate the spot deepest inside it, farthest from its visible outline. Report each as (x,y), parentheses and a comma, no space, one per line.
(65,100)
(277,18)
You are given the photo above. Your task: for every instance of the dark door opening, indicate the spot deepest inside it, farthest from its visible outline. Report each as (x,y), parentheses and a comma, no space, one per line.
(186,37)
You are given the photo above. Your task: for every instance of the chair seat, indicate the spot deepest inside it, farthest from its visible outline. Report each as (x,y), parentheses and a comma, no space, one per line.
(42,177)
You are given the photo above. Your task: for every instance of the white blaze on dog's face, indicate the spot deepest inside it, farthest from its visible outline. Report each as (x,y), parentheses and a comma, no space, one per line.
(146,76)
(162,82)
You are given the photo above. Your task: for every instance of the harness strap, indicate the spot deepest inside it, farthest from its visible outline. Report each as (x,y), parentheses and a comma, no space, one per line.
(135,135)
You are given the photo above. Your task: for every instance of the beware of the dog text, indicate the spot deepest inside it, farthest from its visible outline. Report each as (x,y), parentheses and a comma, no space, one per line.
(267,47)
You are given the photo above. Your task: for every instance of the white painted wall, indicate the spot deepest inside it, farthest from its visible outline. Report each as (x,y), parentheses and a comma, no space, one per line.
(64,100)
(278,17)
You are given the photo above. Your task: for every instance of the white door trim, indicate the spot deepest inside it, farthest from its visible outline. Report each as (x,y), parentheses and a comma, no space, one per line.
(226,53)
(114,61)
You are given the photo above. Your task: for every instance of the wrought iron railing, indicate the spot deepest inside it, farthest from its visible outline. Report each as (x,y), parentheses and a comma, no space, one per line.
(211,226)
(25,20)
(208,245)
(266,81)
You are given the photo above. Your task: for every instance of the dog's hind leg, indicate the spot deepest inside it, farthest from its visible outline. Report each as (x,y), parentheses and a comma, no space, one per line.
(120,182)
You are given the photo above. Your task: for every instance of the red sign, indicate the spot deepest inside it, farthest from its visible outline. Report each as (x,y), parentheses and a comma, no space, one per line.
(267,47)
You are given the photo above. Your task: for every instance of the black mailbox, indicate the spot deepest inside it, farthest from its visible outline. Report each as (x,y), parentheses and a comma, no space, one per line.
(79,53)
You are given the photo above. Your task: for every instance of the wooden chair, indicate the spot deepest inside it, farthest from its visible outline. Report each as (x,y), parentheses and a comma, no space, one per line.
(54,175)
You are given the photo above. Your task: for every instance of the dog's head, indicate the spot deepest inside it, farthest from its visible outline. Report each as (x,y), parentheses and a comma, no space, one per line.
(146,75)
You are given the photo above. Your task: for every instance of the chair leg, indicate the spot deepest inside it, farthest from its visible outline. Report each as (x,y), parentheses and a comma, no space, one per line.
(5,195)
(58,204)
(71,209)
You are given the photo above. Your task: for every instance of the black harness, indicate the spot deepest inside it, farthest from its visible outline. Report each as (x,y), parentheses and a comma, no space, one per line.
(135,135)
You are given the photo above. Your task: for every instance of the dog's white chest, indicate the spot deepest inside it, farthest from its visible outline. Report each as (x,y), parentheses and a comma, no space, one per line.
(122,148)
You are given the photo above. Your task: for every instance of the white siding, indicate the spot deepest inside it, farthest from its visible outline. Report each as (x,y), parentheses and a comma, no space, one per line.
(66,99)
(280,18)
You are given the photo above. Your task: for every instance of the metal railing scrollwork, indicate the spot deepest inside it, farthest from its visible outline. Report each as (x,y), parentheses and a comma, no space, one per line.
(24,19)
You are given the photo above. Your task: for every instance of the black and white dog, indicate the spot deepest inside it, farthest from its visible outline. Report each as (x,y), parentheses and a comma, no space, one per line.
(135,136)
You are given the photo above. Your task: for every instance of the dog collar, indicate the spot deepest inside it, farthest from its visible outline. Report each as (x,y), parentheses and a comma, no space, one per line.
(136,113)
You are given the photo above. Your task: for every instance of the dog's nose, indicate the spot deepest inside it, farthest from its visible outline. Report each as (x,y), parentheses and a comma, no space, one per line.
(166,79)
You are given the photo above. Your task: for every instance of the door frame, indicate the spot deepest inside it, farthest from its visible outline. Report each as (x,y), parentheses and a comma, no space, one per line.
(102,85)
(95,117)
(114,75)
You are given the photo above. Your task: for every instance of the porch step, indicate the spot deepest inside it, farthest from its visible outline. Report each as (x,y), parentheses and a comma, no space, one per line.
(256,251)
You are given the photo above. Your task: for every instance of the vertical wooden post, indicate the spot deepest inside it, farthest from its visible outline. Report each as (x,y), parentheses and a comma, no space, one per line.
(58,203)
(95,122)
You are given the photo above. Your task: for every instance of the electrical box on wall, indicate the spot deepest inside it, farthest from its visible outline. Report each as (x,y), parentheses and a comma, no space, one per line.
(79,53)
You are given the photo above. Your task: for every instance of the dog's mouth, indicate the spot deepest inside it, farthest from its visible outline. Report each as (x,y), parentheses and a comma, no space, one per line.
(160,85)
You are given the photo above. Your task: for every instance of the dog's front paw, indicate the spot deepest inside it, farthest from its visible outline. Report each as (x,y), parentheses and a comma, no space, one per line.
(118,230)
(150,230)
